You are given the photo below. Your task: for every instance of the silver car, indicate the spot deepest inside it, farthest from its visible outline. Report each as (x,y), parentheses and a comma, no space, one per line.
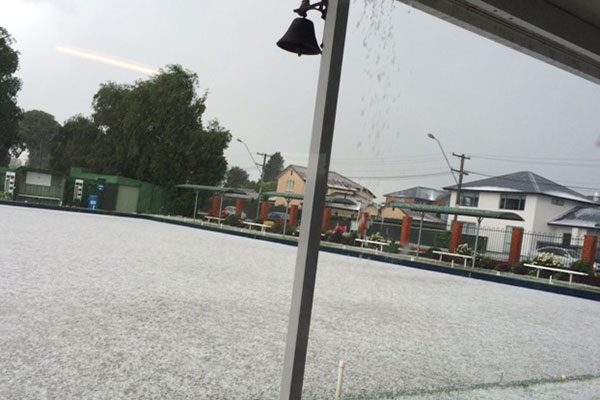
(231,211)
(566,256)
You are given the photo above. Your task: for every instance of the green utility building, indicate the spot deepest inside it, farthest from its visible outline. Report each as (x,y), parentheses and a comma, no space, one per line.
(40,186)
(114,193)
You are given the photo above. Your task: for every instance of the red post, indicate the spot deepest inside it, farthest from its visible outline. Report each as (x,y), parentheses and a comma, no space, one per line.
(516,242)
(264,211)
(590,242)
(293,215)
(216,204)
(363,222)
(326,219)
(238,207)
(456,235)
(405,235)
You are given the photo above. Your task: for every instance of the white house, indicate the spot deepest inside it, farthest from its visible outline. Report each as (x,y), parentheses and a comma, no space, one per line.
(539,201)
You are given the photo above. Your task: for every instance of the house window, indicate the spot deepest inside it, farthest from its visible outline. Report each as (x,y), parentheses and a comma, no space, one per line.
(511,201)
(469,199)
(469,228)
(290,185)
(558,202)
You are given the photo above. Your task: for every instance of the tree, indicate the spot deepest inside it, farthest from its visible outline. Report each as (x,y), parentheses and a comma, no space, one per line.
(273,167)
(236,177)
(151,130)
(77,143)
(36,131)
(10,113)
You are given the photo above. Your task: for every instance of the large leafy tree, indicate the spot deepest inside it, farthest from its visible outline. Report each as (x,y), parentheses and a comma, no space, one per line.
(152,130)
(36,131)
(236,177)
(10,113)
(77,143)
(273,167)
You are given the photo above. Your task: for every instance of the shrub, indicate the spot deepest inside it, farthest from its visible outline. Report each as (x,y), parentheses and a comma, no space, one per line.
(464,250)
(547,260)
(502,267)
(5,196)
(336,237)
(485,262)
(429,253)
(350,239)
(391,248)
(258,220)
(582,266)
(442,240)
(520,268)
(377,237)
(232,220)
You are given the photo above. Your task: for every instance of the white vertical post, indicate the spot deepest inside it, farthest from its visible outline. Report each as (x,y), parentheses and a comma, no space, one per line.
(340,381)
(314,199)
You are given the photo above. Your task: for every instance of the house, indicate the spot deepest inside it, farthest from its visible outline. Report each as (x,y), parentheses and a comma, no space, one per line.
(293,180)
(578,221)
(538,200)
(414,195)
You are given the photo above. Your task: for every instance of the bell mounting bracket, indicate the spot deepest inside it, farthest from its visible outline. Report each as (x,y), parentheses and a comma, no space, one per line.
(306,6)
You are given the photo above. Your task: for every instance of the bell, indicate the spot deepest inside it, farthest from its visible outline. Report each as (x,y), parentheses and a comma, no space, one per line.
(300,38)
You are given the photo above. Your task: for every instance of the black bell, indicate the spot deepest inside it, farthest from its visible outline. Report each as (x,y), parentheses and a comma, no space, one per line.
(300,38)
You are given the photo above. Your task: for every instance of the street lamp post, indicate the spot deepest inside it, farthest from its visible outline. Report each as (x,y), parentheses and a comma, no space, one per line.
(458,183)
(261,172)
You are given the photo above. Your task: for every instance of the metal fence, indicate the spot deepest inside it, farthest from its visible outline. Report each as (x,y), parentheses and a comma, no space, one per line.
(492,242)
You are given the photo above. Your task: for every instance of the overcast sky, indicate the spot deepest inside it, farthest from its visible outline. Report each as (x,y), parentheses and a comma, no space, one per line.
(405,74)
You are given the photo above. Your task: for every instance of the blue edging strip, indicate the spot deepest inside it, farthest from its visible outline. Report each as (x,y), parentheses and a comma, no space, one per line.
(584,294)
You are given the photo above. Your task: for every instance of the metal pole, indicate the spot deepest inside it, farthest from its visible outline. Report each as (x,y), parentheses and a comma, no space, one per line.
(220,209)
(476,240)
(420,230)
(287,207)
(314,200)
(262,178)
(195,206)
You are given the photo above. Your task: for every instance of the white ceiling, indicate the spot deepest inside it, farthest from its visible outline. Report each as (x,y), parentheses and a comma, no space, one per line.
(564,33)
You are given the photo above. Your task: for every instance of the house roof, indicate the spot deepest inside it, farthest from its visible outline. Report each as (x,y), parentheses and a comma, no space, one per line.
(334,180)
(420,193)
(579,217)
(524,182)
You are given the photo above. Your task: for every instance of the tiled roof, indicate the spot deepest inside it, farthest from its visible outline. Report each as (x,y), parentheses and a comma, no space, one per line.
(334,180)
(579,217)
(523,182)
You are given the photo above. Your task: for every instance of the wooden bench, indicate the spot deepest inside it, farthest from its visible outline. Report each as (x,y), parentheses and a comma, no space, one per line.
(380,244)
(262,227)
(463,256)
(210,218)
(566,271)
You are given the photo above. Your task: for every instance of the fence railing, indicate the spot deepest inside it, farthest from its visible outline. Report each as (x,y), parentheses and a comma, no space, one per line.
(492,242)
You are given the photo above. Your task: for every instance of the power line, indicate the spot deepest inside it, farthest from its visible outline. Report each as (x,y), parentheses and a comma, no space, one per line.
(398,177)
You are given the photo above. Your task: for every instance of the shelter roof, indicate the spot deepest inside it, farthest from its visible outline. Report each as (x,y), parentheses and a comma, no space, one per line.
(214,189)
(420,193)
(469,212)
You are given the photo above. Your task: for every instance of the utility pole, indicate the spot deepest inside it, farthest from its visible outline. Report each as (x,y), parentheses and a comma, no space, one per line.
(262,177)
(461,172)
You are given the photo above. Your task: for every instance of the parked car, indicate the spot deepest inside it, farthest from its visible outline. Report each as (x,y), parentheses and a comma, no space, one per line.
(566,256)
(277,216)
(231,211)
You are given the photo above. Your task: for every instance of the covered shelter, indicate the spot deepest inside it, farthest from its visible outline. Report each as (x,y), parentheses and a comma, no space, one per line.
(469,212)
(294,196)
(563,33)
(221,191)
